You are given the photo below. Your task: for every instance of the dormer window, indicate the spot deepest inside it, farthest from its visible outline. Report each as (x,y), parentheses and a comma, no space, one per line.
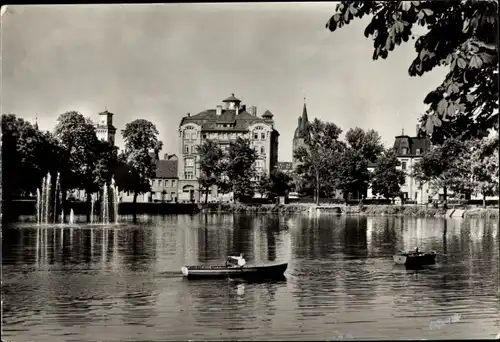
(417,151)
(403,150)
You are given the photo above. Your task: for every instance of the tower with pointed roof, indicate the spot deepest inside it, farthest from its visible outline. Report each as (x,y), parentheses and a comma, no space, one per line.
(301,135)
(104,127)
(224,124)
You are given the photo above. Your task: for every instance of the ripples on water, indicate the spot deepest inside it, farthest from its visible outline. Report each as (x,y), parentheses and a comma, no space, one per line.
(122,282)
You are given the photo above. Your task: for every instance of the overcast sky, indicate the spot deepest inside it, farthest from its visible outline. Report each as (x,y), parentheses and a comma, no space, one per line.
(159,62)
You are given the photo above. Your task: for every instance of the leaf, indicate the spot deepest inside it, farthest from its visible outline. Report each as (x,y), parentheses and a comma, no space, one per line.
(428,12)
(470,98)
(452,109)
(336,17)
(442,106)
(453,88)
(420,15)
(399,27)
(346,16)
(353,10)
(476,62)
(405,5)
(436,121)
(453,65)
(415,3)
(461,63)
(466,25)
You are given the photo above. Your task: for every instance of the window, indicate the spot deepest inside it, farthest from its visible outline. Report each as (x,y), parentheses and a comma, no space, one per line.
(256,136)
(193,136)
(405,195)
(166,183)
(417,152)
(186,149)
(403,165)
(204,136)
(262,149)
(190,162)
(263,136)
(188,175)
(403,150)
(173,182)
(172,195)
(153,183)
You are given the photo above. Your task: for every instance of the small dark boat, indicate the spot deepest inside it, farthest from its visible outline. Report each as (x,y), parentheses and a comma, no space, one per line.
(413,259)
(247,272)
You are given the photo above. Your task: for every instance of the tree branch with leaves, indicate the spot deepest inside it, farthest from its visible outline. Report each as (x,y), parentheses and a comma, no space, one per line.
(461,36)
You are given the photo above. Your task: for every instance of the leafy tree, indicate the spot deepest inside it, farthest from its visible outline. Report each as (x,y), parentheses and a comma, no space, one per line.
(485,166)
(387,179)
(141,144)
(438,166)
(211,167)
(239,169)
(316,161)
(28,155)
(351,173)
(368,143)
(275,185)
(77,137)
(106,160)
(461,35)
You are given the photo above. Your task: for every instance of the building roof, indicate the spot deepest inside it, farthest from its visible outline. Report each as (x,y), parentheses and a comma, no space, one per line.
(371,164)
(106,113)
(208,120)
(231,99)
(267,114)
(302,129)
(411,144)
(166,168)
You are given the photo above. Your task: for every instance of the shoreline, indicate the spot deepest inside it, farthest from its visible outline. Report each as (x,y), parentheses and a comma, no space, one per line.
(368,210)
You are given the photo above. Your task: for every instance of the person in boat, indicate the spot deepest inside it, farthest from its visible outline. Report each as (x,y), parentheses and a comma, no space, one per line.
(236,261)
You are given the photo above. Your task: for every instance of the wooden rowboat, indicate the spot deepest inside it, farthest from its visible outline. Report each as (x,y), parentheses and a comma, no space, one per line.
(250,272)
(415,259)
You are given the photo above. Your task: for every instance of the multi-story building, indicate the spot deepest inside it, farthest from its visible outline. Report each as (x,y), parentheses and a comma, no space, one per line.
(409,151)
(224,124)
(104,127)
(164,186)
(301,135)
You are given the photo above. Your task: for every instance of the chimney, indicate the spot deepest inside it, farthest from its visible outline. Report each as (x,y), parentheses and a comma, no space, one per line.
(243,107)
(237,110)
(189,114)
(165,156)
(418,130)
(219,110)
(253,110)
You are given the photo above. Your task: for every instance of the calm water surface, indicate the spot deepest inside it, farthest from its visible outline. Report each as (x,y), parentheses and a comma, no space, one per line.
(122,283)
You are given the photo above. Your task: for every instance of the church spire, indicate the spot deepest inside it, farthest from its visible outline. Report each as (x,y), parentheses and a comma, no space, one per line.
(304,114)
(36,121)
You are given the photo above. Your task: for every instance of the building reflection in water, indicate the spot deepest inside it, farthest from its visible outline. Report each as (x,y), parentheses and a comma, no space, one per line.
(259,238)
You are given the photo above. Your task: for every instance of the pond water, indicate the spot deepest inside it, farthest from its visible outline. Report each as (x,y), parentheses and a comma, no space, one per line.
(122,282)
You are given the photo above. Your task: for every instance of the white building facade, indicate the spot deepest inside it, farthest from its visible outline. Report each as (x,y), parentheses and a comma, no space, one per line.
(223,125)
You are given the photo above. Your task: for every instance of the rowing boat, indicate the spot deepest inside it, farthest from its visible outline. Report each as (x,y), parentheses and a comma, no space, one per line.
(250,272)
(415,258)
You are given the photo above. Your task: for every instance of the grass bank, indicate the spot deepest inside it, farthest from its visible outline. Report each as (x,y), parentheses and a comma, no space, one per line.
(371,210)
(482,212)
(263,208)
